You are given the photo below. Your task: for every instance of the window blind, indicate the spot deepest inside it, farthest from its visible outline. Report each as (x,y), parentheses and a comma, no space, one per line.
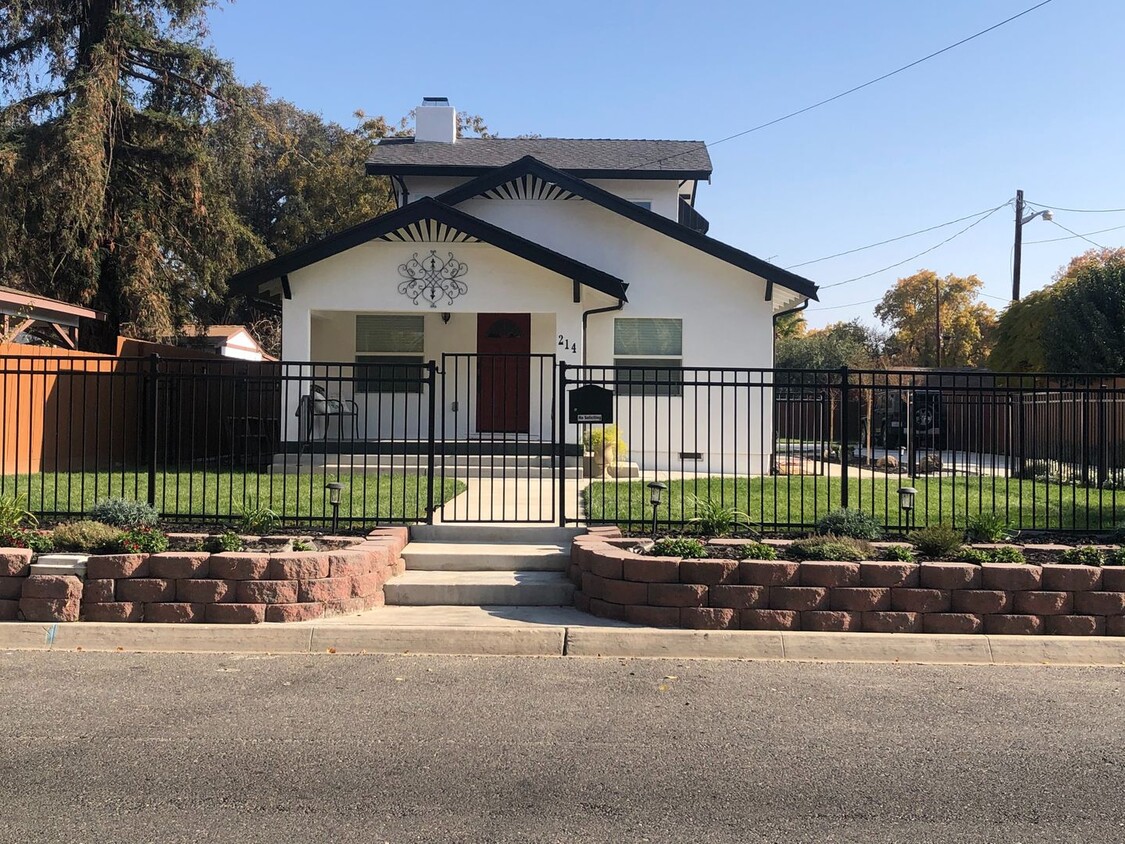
(648,337)
(389,333)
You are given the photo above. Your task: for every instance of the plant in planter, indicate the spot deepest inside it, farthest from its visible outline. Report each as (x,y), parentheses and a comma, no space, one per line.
(303,545)
(17,523)
(713,518)
(229,541)
(1007,554)
(757,551)
(1085,555)
(937,541)
(678,546)
(847,522)
(988,527)
(143,539)
(834,548)
(124,513)
(87,537)
(256,519)
(603,445)
(1116,557)
(973,555)
(899,554)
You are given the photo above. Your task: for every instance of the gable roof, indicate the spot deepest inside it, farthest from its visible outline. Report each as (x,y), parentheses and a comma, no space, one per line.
(586,158)
(612,202)
(428,219)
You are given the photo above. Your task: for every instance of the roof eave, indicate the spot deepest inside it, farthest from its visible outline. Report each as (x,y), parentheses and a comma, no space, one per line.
(376,169)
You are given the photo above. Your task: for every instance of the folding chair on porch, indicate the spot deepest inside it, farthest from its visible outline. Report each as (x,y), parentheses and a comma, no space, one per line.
(317,405)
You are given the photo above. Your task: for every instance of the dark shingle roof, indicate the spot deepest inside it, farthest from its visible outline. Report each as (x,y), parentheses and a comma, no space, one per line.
(587,158)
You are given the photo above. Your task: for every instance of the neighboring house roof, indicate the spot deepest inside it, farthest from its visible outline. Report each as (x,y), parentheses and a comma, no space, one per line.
(429,219)
(586,158)
(685,234)
(21,303)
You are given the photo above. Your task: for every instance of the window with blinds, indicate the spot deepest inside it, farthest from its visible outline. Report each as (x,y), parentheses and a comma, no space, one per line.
(649,354)
(389,353)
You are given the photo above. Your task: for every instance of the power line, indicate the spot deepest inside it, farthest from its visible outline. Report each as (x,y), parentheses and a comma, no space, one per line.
(890,240)
(1072,236)
(1076,234)
(867,84)
(920,254)
(849,305)
(1079,210)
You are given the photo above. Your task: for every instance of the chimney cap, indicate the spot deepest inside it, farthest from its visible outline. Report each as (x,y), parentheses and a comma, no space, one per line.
(435,101)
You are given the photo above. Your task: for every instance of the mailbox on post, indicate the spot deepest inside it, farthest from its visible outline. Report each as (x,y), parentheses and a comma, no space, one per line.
(591,405)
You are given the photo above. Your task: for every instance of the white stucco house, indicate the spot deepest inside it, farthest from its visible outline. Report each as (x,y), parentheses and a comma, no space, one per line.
(588,252)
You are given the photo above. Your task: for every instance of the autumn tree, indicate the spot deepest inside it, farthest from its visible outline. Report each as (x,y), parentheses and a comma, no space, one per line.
(908,312)
(839,344)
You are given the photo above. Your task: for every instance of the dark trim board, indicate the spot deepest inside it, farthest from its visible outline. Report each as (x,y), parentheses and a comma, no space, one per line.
(611,202)
(428,208)
(472,171)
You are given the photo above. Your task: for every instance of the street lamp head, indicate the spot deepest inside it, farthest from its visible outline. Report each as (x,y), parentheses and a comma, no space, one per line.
(1048,216)
(656,492)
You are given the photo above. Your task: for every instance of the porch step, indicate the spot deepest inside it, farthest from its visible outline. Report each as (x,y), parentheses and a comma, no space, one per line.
(448,556)
(494,534)
(480,588)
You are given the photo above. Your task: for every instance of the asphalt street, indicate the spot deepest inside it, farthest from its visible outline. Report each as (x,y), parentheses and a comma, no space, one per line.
(205,748)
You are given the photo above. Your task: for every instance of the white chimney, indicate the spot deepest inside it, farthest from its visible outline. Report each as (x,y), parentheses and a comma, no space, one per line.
(435,121)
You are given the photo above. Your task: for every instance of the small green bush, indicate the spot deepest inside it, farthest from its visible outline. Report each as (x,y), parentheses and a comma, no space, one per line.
(143,539)
(829,547)
(1085,555)
(937,541)
(988,527)
(1006,554)
(850,523)
(14,514)
(757,551)
(599,436)
(973,555)
(87,537)
(899,554)
(20,537)
(124,513)
(229,541)
(256,519)
(302,545)
(679,546)
(714,518)
(1116,557)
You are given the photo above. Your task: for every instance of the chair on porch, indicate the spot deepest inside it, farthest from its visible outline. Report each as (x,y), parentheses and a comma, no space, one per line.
(317,405)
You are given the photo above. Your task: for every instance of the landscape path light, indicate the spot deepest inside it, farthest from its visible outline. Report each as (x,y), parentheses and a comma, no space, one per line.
(655,494)
(906,496)
(334,489)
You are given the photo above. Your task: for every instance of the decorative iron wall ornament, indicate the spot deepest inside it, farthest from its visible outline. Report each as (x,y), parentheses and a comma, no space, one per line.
(432,279)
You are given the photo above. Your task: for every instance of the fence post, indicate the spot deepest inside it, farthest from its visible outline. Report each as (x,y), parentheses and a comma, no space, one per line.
(431,380)
(152,409)
(560,446)
(844,386)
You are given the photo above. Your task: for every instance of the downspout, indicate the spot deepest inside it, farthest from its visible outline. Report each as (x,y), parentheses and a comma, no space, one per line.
(793,310)
(585,316)
(405,193)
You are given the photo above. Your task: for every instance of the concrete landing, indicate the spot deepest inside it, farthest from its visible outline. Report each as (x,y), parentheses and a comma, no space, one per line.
(454,556)
(480,588)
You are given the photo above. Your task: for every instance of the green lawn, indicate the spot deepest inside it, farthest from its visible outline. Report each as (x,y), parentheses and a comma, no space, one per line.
(795,501)
(215,496)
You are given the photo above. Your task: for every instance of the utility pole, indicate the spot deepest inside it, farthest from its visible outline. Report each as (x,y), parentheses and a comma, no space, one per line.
(1018,254)
(937,321)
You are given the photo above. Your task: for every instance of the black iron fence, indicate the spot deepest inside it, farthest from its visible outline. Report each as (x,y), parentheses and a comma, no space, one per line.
(527,439)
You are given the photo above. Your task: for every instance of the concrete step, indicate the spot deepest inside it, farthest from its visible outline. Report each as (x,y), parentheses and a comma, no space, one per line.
(495,534)
(456,556)
(480,588)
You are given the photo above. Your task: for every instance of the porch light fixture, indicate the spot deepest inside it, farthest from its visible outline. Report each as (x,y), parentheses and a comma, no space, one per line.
(655,493)
(446,317)
(334,489)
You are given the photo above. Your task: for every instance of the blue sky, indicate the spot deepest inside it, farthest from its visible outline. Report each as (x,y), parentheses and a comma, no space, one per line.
(1032,105)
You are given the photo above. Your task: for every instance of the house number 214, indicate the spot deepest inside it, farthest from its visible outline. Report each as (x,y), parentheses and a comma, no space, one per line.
(567,344)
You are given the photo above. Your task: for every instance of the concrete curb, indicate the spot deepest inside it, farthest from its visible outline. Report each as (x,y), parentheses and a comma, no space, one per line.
(557,640)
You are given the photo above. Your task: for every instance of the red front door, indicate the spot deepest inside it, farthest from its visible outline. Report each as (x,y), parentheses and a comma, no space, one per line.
(504,373)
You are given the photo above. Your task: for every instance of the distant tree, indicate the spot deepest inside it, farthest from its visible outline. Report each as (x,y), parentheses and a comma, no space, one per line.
(792,324)
(908,311)
(1019,334)
(840,344)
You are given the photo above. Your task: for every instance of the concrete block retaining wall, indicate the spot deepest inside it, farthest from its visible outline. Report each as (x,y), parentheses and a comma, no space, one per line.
(878,597)
(224,588)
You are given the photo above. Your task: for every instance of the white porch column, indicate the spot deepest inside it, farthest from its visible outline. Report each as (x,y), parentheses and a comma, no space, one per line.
(296,353)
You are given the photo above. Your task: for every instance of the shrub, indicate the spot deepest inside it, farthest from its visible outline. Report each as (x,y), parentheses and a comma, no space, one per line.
(1116,557)
(714,518)
(1007,554)
(21,537)
(678,546)
(598,436)
(1085,555)
(899,554)
(14,514)
(936,541)
(256,519)
(124,513)
(229,541)
(143,539)
(852,523)
(302,545)
(988,527)
(757,551)
(973,555)
(829,547)
(87,537)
